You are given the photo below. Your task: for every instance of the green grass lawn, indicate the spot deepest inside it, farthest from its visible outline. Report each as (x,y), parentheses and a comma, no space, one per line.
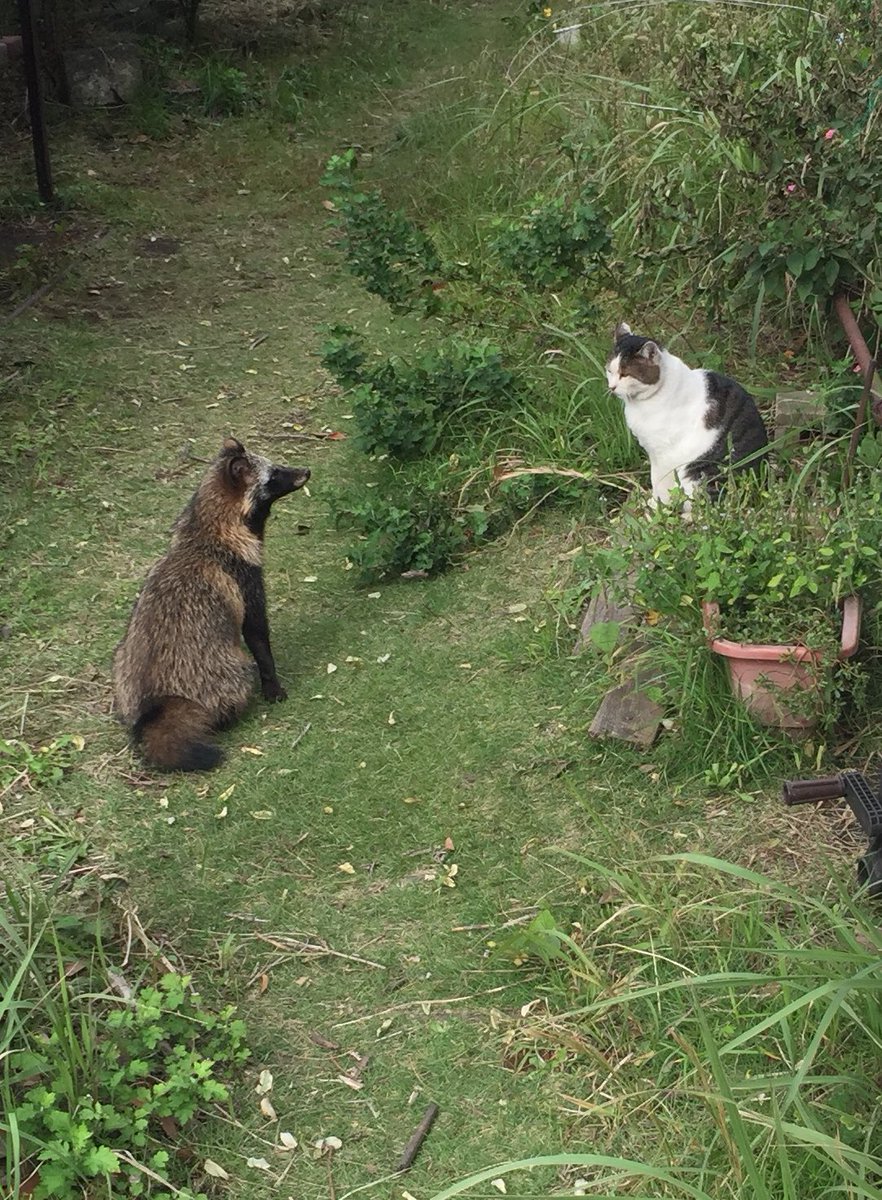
(356,875)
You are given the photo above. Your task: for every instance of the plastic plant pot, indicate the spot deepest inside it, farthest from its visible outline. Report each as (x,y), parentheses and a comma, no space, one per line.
(763,675)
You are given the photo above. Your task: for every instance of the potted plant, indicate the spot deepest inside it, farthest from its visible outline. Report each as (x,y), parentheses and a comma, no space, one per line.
(781,683)
(770,574)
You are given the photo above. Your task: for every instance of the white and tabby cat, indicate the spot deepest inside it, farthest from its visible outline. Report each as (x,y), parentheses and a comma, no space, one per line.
(695,425)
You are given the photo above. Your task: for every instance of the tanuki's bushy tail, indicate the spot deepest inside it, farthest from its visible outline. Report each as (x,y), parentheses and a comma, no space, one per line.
(172,735)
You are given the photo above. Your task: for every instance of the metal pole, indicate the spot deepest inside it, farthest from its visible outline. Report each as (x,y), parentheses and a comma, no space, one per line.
(35,100)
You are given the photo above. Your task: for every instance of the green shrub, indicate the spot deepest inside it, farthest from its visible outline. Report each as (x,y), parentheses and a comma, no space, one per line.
(404,525)
(557,243)
(778,556)
(406,407)
(227,91)
(394,258)
(97,1090)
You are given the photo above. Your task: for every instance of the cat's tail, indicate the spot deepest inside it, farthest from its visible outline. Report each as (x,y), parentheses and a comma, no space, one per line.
(172,734)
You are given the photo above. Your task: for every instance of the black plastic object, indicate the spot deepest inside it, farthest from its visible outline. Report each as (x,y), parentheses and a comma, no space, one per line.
(866,805)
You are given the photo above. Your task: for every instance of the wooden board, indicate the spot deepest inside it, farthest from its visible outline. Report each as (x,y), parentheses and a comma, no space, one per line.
(628,713)
(798,412)
(601,609)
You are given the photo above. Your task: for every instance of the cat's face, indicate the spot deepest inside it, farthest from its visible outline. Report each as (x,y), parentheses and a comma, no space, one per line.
(634,367)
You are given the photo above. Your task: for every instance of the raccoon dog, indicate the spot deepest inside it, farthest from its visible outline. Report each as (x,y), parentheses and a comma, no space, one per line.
(181,671)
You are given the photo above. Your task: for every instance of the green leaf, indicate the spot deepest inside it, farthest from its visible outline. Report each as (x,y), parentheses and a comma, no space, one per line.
(100,1161)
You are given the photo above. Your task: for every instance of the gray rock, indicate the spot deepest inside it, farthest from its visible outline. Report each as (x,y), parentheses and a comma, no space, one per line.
(102,75)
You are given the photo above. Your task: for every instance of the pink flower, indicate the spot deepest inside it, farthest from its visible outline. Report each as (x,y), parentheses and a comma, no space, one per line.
(856,369)
(829,135)
(790,189)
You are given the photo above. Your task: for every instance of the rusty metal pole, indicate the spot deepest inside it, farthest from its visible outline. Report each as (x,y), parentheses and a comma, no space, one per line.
(861,351)
(30,56)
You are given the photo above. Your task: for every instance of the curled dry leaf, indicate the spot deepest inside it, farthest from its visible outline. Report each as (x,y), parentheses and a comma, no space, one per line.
(267,1109)
(499,1184)
(264,1083)
(263,814)
(215,1170)
(346,867)
(225,795)
(331,668)
(287,1140)
(384,658)
(219,816)
(260,1163)
(516,608)
(251,750)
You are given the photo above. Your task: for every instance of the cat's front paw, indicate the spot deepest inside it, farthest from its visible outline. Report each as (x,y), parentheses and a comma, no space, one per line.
(273,691)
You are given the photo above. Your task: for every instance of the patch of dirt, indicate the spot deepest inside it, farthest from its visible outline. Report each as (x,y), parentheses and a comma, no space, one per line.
(15,234)
(156,246)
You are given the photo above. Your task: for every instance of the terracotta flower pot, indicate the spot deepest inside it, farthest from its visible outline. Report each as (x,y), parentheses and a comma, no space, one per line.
(762,675)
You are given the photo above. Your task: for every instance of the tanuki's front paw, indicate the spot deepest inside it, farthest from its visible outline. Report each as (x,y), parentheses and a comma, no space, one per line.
(273,691)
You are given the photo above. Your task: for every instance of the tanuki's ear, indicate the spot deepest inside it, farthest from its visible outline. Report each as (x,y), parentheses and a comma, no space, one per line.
(651,352)
(234,463)
(620,330)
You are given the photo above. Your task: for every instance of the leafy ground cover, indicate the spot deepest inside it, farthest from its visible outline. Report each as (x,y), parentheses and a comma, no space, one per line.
(417,879)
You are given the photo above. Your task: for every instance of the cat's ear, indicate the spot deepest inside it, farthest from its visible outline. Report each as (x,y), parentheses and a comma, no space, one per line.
(650,351)
(620,330)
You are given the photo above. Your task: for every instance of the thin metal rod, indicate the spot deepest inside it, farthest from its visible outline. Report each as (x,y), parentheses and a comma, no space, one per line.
(30,56)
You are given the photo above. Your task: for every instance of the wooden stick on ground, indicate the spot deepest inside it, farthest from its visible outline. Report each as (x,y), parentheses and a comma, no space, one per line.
(419,1135)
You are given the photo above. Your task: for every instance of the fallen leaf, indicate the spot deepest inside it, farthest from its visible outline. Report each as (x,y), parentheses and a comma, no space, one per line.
(355,1084)
(264,1083)
(516,608)
(263,983)
(251,750)
(329,205)
(289,1142)
(499,1184)
(310,578)
(263,814)
(448,844)
(260,1163)
(347,868)
(225,795)
(319,1040)
(223,812)
(411,800)
(384,658)
(331,668)
(336,436)
(374,595)
(215,1170)
(169,1126)
(267,1109)
(391,718)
